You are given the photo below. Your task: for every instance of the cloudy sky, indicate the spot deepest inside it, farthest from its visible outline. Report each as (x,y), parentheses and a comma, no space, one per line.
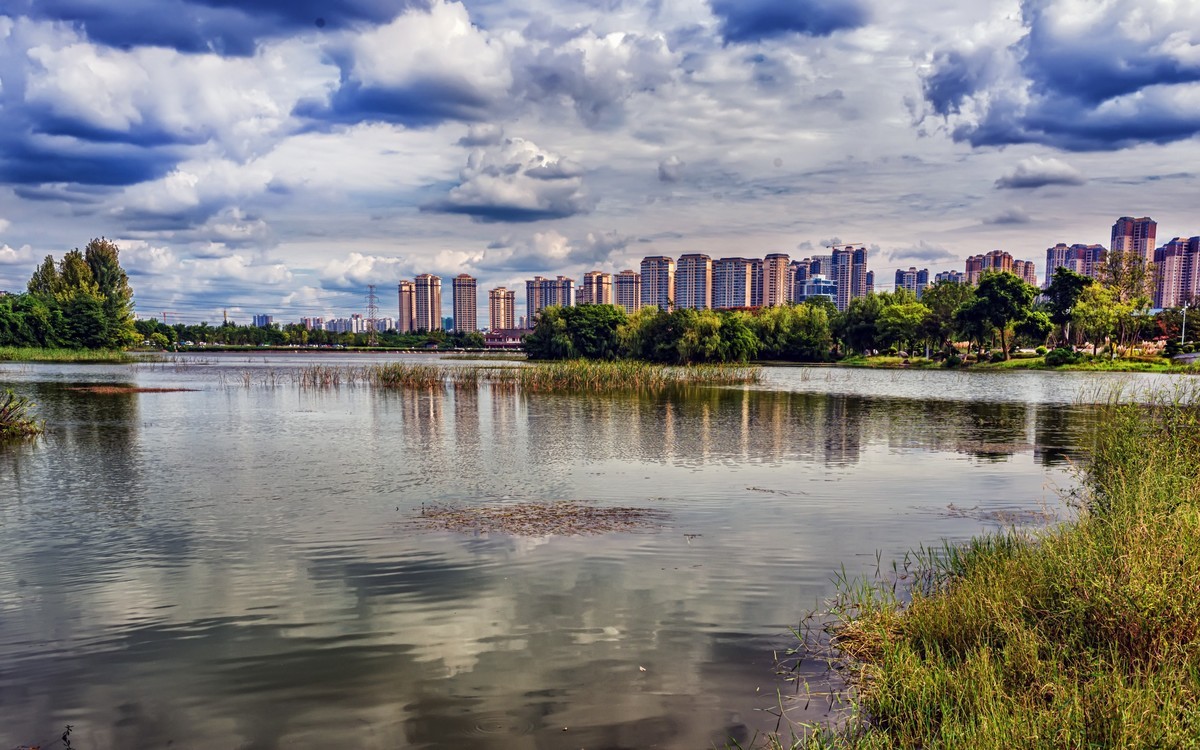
(279,155)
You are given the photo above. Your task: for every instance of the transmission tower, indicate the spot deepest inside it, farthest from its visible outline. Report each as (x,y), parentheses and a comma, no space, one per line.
(372,314)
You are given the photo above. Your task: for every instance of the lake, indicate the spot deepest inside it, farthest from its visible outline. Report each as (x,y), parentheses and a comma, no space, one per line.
(238,565)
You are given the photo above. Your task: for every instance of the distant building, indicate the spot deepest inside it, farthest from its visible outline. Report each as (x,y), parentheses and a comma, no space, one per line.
(1130,235)
(505,338)
(958,277)
(627,290)
(658,282)
(428,302)
(814,286)
(407,320)
(466,304)
(502,307)
(1026,270)
(850,274)
(776,291)
(733,283)
(1177,273)
(1083,259)
(913,280)
(541,293)
(756,282)
(597,289)
(313,324)
(262,321)
(694,282)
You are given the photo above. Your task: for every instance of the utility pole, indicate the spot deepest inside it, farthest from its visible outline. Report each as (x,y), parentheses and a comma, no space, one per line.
(1183,328)
(372,314)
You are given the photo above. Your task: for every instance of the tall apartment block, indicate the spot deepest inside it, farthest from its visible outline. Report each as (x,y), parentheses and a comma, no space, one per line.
(428,296)
(406,322)
(1177,276)
(732,283)
(541,293)
(627,290)
(597,289)
(957,277)
(1083,259)
(756,282)
(1026,270)
(993,260)
(1130,235)
(776,290)
(913,280)
(694,282)
(658,282)
(466,304)
(502,309)
(849,273)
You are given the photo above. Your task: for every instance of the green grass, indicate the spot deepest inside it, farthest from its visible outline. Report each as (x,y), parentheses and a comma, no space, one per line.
(16,417)
(1085,636)
(37,354)
(1138,364)
(573,375)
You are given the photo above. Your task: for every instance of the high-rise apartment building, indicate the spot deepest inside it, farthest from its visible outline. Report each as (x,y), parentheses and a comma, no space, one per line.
(1083,259)
(502,309)
(694,282)
(541,293)
(1177,272)
(862,281)
(913,280)
(732,283)
(466,304)
(850,274)
(816,285)
(658,282)
(1130,235)
(993,260)
(627,289)
(756,282)
(407,320)
(958,277)
(776,290)
(597,289)
(428,302)
(262,321)
(1026,270)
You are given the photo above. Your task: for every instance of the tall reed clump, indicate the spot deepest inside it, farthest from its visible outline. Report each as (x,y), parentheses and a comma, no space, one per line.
(88,356)
(569,375)
(16,417)
(1087,635)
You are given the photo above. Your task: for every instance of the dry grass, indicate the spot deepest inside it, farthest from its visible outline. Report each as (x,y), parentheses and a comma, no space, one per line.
(562,518)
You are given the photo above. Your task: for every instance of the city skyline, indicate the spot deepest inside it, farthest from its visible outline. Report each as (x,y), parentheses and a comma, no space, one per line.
(500,139)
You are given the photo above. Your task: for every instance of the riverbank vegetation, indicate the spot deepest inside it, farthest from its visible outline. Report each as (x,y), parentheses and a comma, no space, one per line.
(951,324)
(16,417)
(1086,635)
(82,302)
(570,375)
(230,336)
(59,355)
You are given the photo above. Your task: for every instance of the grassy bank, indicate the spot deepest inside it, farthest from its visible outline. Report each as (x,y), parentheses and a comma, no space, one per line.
(16,417)
(1086,636)
(36,354)
(1100,364)
(573,375)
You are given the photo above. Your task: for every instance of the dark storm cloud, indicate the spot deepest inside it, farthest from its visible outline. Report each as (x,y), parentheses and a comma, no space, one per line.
(1098,84)
(755,20)
(228,27)
(25,160)
(421,103)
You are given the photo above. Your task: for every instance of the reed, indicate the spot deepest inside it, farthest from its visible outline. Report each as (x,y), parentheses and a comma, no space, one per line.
(1085,635)
(16,417)
(38,354)
(572,375)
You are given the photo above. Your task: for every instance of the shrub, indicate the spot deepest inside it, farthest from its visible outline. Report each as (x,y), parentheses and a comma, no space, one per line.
(1063,356)
(996,357)
(1040,351)
(16,420)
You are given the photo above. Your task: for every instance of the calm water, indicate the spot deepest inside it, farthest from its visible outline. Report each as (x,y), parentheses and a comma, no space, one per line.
(236,566)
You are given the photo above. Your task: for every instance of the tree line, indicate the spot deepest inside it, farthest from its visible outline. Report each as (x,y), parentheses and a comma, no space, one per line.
(996,316)
(83,301)
(229,333)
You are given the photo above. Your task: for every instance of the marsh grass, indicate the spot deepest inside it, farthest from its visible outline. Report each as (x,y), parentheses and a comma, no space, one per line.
(1084,635)
(16,417)
(573,375)
(93,356)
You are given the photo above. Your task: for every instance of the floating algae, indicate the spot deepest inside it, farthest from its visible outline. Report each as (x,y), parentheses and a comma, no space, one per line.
(563,518)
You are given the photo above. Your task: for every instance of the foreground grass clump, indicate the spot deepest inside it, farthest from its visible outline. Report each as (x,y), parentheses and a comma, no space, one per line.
(16,418)
(570,375)
(37,354)
(1086,636)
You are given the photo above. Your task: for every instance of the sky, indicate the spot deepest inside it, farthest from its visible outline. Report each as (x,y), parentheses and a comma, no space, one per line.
(277,156)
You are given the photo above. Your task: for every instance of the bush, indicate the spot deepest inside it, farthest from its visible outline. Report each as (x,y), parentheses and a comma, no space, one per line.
(1063,356)
(996,357)
(1172,348)
(1040,351)
(952,360)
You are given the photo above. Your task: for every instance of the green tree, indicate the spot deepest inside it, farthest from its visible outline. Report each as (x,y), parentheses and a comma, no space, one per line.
(856,326)
(1063,292)
(902,323)
(1004,299)
(103,259)
(1095,314)
(943,300)
(550,338)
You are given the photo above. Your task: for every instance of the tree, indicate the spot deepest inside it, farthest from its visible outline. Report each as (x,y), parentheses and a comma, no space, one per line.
(943,300)
(1094,313)
(1064,291)
(856,325)
(112,283)
(902,323)
(1004,299)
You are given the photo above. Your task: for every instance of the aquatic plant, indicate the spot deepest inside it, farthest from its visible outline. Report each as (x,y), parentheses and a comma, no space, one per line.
(1086,635)
(16,419)
(40,354)
(569,375)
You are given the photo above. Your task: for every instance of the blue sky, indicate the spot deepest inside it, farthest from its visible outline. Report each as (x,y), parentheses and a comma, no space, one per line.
(279,155)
